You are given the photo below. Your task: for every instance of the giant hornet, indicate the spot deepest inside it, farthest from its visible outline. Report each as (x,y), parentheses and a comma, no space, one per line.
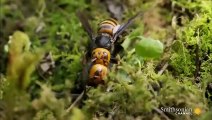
(103,47)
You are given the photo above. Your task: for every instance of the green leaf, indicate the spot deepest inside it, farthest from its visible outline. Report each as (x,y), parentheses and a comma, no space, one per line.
(206,116)
(149,48)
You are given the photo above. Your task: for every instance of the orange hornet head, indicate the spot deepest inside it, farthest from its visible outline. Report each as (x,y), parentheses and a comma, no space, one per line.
(100,56)
(97,74)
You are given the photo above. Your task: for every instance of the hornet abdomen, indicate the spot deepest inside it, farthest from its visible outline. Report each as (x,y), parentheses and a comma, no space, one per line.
(108,26)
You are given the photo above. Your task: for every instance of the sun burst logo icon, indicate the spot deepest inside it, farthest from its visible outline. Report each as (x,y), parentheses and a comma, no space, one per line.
(197,111)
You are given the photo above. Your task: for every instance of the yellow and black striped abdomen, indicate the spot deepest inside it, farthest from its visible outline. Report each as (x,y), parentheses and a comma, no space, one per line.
(108,26)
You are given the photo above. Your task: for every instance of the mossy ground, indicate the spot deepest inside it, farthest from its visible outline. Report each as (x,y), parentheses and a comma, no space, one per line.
(137,88)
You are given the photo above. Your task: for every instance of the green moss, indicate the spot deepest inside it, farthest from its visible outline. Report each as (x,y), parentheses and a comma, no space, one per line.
(134,89)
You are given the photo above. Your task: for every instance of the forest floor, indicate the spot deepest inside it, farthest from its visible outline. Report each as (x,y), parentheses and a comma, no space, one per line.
(42,49)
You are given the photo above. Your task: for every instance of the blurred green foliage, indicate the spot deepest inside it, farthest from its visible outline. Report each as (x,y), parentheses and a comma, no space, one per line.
(135,88)
(149,48)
